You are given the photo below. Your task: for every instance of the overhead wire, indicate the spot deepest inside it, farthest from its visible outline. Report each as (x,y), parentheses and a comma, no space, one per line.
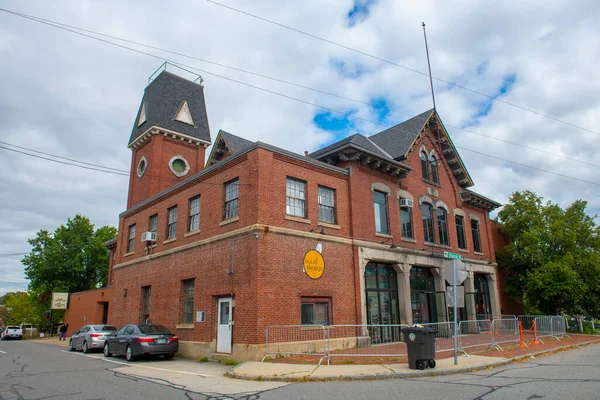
(293,84)
(181,65)
(454,84)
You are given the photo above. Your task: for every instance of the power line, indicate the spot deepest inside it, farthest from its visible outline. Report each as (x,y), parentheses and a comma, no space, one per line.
(493,98)
(13,254)
(287,83)
(348,115)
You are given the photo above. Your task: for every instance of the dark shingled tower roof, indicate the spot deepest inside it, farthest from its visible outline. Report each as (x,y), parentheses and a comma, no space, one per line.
(163,98)
(398,139)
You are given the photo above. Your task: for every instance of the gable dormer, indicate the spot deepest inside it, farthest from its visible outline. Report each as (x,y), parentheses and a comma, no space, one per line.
(227,145)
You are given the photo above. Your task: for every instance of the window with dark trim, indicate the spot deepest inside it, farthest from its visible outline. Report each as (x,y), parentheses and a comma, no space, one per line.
(315,311)
(172,222)
(422,294)
(231,199)
(460,232)
(194,222)
(326,204)
(442,220)
(424,165)
(427,211)
(476,238)
(434,169)
(188,301)
(146,304)
(295,191)
(406,220)
(131,238)
(381,212)
(153,223)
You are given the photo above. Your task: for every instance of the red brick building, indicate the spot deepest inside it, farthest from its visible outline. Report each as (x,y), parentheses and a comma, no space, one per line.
(214,250)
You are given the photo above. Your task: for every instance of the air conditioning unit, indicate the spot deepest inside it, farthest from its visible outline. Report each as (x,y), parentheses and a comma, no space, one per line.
(406,203)
(149,237)
(200,316)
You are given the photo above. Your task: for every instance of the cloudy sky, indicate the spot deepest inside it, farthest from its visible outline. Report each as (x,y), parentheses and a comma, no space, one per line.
(72,96)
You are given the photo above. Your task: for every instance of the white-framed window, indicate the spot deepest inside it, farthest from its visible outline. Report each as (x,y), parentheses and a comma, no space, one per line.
(131,238)
(172,222)
(427,211)
(295,197)
(231,199)
(188,301)
(406,218)
(153,223)
(381,212)
(194,223)
(327,205)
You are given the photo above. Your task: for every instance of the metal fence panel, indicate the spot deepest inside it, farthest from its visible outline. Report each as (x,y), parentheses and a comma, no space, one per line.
(505,331)
(296,340)
(474,333)
(366,340)
(444,335)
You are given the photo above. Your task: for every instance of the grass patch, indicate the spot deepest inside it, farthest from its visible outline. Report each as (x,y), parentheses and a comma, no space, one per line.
(229,361)
(203,359)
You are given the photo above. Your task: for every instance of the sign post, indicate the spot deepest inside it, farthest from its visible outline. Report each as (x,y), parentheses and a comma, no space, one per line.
(454,257)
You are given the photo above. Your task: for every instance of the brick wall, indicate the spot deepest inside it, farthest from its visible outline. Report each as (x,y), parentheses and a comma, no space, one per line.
(507,304)
(87,308)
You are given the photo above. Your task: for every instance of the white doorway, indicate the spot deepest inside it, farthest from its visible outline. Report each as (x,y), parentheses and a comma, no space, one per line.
(224,331)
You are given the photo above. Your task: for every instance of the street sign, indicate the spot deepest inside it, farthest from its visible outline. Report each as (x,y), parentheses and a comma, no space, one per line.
(461,273)
(59,301)
(460,296)
(454,256)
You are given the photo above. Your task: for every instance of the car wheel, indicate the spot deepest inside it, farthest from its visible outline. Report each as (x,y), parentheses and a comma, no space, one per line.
(107,351)
(71,345)
(168,356)
(129,354)
(85,348)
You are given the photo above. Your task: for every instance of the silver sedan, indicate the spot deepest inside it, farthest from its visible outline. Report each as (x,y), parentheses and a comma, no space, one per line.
(90,337)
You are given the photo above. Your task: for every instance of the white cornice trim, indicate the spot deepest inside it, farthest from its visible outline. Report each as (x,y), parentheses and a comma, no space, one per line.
(155,130)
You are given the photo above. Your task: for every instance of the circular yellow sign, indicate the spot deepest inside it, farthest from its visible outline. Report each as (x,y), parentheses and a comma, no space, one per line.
(314,265)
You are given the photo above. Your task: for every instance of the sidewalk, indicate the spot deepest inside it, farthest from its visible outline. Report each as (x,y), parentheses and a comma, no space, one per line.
(270,371)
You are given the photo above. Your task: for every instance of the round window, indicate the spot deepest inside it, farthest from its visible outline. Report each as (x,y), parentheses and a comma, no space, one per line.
(142,165)
(179,166)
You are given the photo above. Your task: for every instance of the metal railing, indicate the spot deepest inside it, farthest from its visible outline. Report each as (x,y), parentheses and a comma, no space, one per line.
(366,340)
(356,340)
(296,340)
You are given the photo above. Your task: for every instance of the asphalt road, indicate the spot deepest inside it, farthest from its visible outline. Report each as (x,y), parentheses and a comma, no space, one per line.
(41,371)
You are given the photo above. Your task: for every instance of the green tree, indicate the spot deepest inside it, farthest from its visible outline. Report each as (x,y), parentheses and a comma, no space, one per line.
(21,307)
(71,259)
(553,257)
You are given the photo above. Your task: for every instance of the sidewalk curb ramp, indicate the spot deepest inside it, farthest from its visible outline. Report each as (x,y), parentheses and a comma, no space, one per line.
(398,375)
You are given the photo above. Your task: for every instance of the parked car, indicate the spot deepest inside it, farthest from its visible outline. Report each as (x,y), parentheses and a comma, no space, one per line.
(90,337)
(136,340)
(12,332)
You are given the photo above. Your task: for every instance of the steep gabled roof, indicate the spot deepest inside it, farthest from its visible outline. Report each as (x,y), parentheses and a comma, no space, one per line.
(398,139)
(227,145)
(164,99)
(356,139)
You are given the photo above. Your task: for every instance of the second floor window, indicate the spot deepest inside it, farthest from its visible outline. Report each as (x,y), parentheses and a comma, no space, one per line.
(442,220)
(434,169)
(188,301)
(153,223)
(231,199)
(427,211)
(194,214)
(172,222)
(424,165)
(295,197)
(131,238)
(326,205)
(476,239)
(381,212)
(406,218)
(460,232)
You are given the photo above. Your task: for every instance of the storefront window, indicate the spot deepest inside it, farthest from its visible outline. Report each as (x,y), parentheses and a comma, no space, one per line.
(483,304)
(422,294)
(382,302)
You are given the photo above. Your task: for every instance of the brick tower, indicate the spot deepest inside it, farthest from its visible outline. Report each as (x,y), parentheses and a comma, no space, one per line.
(169,137)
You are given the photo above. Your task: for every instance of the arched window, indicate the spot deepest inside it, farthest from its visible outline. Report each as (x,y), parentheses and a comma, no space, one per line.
(434,169)
(427,211)
(442,219)
(424,165)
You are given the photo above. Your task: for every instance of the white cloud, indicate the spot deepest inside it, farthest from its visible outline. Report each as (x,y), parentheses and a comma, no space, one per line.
(72,96)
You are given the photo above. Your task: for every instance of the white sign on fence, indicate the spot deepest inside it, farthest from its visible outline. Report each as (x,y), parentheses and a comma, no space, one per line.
(460,296)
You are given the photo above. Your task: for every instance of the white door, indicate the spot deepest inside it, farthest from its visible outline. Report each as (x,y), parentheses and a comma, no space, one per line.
(224,328)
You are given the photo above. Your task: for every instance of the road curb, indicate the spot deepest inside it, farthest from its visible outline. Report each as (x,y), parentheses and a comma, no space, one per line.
(403,375)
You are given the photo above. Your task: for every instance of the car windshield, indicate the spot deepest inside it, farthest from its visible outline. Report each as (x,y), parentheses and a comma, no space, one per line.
(154,329)
(104,328)
(13,327)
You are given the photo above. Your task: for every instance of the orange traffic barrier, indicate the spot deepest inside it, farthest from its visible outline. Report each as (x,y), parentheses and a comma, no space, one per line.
(535,339)
(522,344)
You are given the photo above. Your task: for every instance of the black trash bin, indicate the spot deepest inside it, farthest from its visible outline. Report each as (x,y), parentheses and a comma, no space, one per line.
(420,344)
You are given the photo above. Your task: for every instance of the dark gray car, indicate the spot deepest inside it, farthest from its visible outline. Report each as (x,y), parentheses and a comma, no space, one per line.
(90,337)
(137,340)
